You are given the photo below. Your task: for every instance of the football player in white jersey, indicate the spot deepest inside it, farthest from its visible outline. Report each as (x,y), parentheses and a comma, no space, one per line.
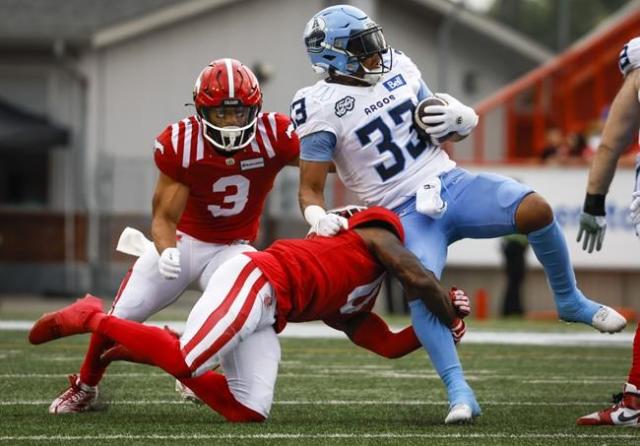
(360,117)
(619,130)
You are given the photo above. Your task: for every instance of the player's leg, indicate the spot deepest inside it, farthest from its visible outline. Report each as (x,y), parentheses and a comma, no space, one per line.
(489,205)
(221,256)
(142,293)
(237,301)
(245,392)
(239,304)
(626,410)
(427,239)
(251,370)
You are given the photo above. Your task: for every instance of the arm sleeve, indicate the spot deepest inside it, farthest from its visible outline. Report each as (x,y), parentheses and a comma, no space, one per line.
(369,331)
(318,146)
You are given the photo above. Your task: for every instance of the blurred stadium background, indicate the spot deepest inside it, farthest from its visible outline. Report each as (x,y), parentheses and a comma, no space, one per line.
(86,85)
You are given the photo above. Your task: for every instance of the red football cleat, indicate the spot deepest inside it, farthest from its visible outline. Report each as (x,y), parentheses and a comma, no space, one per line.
(626,412)
(65,322)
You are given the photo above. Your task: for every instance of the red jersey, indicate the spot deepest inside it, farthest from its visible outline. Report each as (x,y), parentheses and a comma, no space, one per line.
(226,193)
(325,278)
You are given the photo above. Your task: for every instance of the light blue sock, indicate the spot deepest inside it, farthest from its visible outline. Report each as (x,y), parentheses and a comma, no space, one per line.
(436,339)
(551,250)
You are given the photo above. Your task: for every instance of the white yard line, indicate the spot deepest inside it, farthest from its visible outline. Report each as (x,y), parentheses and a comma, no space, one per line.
(325,403)
(319,330)
(286,436)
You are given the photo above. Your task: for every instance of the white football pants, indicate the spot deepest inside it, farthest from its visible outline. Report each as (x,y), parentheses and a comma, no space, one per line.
(232,325)
(145,292)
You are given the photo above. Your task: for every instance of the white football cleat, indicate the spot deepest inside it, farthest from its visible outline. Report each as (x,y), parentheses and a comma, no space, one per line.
(459,414)
(626,412)
(186,393)
(608,320)
(79,397)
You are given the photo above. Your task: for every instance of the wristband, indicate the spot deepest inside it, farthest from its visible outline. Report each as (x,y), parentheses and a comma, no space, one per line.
(594,204)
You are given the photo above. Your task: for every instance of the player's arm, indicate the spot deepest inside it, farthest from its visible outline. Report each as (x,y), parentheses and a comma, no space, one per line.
(313,177)
(619,130)
(169,201)
(296,163)
(315,164)
(370,331)
(417,281)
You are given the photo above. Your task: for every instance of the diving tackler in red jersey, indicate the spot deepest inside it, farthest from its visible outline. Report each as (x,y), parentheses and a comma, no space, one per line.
(255,294)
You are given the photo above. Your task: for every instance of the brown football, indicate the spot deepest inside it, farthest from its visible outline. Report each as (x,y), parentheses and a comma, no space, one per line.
(419,113)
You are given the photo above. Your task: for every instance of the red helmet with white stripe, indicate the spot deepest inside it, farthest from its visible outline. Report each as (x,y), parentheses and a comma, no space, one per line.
(228,99)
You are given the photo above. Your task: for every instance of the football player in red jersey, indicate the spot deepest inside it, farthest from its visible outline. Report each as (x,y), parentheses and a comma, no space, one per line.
(620,129)
(216,168)
(252,297)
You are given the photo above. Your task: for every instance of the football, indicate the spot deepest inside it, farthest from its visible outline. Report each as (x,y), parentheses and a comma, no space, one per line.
(420,112)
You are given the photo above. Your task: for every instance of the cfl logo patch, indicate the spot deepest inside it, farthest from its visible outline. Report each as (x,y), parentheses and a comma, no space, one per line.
(344,106)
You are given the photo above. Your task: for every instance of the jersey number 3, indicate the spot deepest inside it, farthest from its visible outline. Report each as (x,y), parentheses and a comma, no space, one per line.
(238,200)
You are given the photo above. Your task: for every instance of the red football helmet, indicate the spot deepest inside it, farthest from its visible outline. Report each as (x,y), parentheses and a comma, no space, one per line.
(228,99)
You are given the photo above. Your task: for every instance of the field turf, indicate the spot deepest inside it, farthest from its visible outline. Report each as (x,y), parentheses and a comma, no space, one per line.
(329,392)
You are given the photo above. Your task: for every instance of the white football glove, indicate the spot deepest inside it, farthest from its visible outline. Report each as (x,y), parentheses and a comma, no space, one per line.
(635,211)
(460,302)
(453,117)
(329,225)
(322,223)
(169,263)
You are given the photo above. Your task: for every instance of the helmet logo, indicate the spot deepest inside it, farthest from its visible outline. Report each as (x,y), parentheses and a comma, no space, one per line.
(314,34)
(344,106)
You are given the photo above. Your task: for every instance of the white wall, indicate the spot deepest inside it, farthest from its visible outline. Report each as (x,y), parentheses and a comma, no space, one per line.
(564,189)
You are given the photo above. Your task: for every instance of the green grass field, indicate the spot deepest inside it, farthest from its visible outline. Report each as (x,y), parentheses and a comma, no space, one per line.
(328,392)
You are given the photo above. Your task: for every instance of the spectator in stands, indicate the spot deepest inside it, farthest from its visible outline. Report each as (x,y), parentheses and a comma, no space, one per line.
(555,151)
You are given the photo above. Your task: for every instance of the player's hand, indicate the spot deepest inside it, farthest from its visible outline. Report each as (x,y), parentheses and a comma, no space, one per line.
(460,302)
(453,117)
(635,211)
(591,231)
(458,330)
(169,263)
(329,224)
